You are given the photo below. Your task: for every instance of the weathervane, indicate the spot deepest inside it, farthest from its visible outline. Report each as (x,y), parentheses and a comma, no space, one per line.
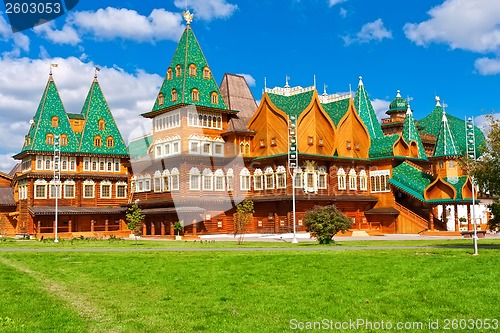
(188,17)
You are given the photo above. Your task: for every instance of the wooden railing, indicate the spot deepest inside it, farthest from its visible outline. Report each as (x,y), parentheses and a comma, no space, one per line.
(412,217)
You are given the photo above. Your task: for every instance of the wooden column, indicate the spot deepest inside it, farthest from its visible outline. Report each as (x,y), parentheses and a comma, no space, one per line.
(162,228)
(457,225)
(194,228)
(469,219)
(54,226)
(144,229)
(443,217)
(70,227)
(431,221)
(172,231)
(152,229)
(39,227)
(106,225)
(92,225)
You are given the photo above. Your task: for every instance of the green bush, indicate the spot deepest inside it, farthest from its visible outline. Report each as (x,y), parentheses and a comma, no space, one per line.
(323,222)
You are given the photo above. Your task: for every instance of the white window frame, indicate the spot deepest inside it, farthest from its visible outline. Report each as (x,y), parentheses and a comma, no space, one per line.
(174,180)
(72,164)
(219,179)
(40,183)
(88,183)
(194,179)
(341,179)
(363,181)
(119,185)
(69,183)
(269,178)
(106,183)
(322,178)
(207,180)
(280,177)
(64,166)
(245,180)
(353,180)
(230,180)
(379,181)
(258,180)
(191,144)
(206,144)
(147,182)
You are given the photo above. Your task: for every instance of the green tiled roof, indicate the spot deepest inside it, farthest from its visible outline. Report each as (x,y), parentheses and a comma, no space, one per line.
(336,110)
(366,112)
(410,180)
(383,146)
(138,148)
(292,105)
(445,143)
(78,116)
(50,106)
(410,133)
(95,109)
(189,52)
(432,123)
(398,104)
(457,183)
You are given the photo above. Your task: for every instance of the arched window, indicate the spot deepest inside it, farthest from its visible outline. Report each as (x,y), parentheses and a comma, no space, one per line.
(215,98)
(110,142)
(174,95)
(161,99)
(244,179)
(247,148)
(230,179)
(194,179)
(169,73)
(49,139)
(242,147)
(362,180)
(195,95)
(269,178)
(63,140)
(207,180)
(178,71)
(174,179)
(88,188)
(341,178)
(206,73)
(322,178)
(258,180)
(97,141)
(55,122)
(192,70)
(157,181)
(102,124)
(298,183)
(352,180)
(166,180)
(280,177)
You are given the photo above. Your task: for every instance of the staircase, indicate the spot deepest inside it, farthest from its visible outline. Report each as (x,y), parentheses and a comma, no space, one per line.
(408,222)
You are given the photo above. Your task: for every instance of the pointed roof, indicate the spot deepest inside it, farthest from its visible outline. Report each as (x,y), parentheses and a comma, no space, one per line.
(410,132)
(50,106)
(96,109)
(183,80)
(445,143)
(398,104)
(366,112)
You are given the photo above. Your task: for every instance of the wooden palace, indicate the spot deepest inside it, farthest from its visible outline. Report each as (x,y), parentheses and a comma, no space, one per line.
(212,146)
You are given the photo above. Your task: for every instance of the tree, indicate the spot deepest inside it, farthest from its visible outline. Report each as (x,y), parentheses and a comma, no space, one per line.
(134,220)
(178,227)
(323,222)
(242,217)
(486,169)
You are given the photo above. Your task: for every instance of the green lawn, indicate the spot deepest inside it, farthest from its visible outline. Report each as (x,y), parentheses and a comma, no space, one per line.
(244,291)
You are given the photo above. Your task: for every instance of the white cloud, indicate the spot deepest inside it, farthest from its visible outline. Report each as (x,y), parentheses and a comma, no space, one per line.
(113,23)
(371,31)
(208,9)
(487,66)
(249,78)
(343,12)
(472,25)
(7,162)
(332,3)
(20,41)
(380,106)
(483,122)
(23,80)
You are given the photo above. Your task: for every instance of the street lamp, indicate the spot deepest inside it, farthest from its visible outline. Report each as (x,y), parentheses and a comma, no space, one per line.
(57,182)
(293,162)
(470,142)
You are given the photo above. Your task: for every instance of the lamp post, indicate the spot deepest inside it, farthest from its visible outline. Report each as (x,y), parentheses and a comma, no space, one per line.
(57,182)
(471,153)
(293,162)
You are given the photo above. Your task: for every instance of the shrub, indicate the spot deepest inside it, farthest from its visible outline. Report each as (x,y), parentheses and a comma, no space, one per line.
(323,222)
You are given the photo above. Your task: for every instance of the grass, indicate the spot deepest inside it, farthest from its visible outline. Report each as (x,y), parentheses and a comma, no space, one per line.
(244,291)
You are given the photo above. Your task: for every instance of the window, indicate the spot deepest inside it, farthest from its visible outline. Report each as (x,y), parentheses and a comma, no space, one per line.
(219,180)
(322,178)
(269,178)
(55,122)
(215,98)
(178,71)
(192,70)
(297,183)
(280,177)
(310,140)
(49,139)
(121,190)
(262,143)
(93,165)
(39,163)
(147,182)
(352,180)
(207,148)
(273,142)
(207,180)
(440,164)
(102,165)
(230,179)
(86,164)
(244,179)
(40,189)
(174,177)
(166,149)
(194,179)
(161,99)
(88,189)
(206,73)
(117,164)
(109,165)
(195,95)
(379,180)
(157,182)
(176,147)
(72,164)
(169,73)
(362,180)
(55,190)
(48,162)
(247,148)
(219,224)
(341,178)
(208,119)
(158,151)
(63,140)
(258,181)
(174,95)
(194,147)
(97,141)
(105,189)
(218,149)
(110,142)
(166,180)
(101,124)
(69,189)
(451,164)
(242,147)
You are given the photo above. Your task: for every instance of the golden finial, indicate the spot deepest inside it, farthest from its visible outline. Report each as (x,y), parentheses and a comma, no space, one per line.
(188,17)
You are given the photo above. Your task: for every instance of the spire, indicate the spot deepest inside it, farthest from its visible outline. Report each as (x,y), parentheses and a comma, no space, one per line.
(445,144)
(99,124)
(286,81)
(50,120)
(410,132)
(188,17)
(189,79)
(366,111)
(438,101)
(398,104)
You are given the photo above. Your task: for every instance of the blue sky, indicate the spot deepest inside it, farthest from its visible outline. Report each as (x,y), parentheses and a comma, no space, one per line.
(449,48)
